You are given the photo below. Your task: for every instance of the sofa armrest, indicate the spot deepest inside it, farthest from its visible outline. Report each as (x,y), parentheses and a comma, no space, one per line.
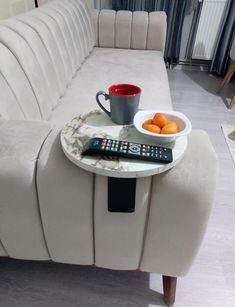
(124,29)
(20,222)
(181,203)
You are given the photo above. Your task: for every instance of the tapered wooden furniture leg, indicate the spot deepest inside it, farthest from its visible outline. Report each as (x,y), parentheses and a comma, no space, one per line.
(232,102)
(227,77)
(169,289)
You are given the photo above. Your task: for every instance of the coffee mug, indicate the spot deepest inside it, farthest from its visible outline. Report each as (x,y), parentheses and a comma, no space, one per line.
(124,102)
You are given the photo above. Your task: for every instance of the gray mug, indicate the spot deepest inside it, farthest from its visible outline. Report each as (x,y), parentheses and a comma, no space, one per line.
(124,102)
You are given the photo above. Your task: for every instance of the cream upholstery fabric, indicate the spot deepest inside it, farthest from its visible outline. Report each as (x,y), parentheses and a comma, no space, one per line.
(56,39)
(119,236)
(139,30)
(16,96)
(163,235)
(20,222)
(124,29)
(143,68)
(156,29)
(51,209)
(51,45)
(106,28)
(177,220)
(95,19)
(30,66)
(66,204)
(42,57)
(179,210)
(123,25)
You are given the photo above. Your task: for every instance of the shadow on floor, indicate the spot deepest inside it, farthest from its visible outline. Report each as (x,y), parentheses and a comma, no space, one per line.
(34,284)
(210,82)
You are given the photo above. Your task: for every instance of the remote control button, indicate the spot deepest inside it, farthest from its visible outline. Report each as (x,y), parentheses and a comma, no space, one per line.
(134,153)
(134,148)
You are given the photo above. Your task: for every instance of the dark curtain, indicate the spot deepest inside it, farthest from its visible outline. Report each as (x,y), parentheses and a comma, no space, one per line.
(220,59)
(175,10)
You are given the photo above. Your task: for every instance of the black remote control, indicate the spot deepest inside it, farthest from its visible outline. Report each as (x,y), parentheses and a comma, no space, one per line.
(125,149)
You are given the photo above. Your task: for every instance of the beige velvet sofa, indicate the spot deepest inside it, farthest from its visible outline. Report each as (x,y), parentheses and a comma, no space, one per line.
(53,60)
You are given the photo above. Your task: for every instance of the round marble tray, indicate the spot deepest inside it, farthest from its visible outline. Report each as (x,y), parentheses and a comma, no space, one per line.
(97,124)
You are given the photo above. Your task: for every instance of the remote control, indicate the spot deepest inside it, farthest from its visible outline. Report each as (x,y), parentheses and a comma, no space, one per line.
(125,149)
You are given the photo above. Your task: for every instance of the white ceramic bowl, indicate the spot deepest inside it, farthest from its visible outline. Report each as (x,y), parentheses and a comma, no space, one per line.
(183,123)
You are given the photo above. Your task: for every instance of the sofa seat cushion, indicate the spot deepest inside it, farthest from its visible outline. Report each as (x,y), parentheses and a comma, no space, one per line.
(106,66)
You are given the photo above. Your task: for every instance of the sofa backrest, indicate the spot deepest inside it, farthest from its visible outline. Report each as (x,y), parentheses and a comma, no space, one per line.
(40,52)
(131,30)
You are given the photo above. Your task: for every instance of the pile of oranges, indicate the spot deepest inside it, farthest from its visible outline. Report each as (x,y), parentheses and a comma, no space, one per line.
(159,124)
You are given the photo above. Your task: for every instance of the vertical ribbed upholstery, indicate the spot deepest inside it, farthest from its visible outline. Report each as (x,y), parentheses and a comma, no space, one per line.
(45,47)
(127,30)
(95,18)
(156,29)
(67,9)
(34,42)
(59,47)
(86,24)
(61,20)
(123,29)
(107,19)
(30,65)
(119,236)
(8,100)
(16,96)
(51,44)
(139,30)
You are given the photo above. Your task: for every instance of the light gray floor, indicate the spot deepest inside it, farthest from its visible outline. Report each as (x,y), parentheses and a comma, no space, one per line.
(211,282)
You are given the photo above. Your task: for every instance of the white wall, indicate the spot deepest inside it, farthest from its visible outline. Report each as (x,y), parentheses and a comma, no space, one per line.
(13,7)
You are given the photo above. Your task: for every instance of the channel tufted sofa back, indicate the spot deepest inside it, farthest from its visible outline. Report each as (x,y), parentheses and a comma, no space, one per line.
(40,52)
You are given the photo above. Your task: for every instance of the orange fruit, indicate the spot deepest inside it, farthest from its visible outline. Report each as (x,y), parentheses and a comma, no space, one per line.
(147,122)
(160,120)
(170,128)
(152,128)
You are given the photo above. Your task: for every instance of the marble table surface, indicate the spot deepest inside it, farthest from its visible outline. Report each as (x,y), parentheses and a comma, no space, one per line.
(76,133)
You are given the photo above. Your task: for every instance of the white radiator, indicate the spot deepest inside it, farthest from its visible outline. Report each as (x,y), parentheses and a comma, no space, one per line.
(208,28)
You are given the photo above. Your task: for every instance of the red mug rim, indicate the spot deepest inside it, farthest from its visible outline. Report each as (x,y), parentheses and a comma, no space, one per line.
(127,89)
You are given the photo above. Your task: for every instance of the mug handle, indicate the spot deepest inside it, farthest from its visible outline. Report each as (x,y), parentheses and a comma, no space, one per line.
(106,96)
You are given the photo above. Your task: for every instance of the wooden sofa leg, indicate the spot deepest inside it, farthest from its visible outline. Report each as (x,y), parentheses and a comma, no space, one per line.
(232,103)
(169,289)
